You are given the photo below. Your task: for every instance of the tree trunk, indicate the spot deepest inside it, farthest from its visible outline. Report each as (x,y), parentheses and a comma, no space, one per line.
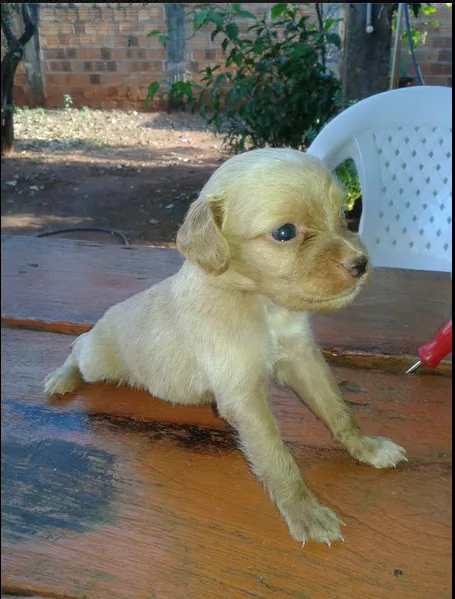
(175,46)
(10,61)
(366,56)
(9,66)
(34,86)
(7,128)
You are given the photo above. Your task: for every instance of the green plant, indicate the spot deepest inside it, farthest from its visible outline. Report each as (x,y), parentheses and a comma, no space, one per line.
(273,87)
(421,10)
(85,110)
(346,174)
(67,101)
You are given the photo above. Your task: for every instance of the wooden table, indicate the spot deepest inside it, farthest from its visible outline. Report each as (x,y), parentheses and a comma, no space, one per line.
(112,494)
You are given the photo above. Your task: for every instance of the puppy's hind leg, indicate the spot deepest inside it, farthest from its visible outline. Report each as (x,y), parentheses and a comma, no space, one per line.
(93,358)
(65,379)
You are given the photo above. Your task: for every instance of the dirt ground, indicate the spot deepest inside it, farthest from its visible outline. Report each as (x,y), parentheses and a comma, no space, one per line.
(129,171)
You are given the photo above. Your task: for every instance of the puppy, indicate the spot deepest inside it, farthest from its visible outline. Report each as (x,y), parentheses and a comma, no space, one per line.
(265,243)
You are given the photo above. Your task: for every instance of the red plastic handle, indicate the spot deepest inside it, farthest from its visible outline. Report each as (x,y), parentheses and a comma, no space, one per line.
(434,351)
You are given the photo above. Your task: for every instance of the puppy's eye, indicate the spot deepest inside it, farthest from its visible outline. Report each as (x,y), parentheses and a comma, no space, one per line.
(285,233)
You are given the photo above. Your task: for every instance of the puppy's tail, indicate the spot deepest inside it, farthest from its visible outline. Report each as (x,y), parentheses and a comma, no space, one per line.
(64,379)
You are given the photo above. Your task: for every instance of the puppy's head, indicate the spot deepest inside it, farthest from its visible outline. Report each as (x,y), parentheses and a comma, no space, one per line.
(274,219)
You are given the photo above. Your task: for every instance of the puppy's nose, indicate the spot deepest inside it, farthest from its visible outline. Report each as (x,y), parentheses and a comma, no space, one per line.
(357,267)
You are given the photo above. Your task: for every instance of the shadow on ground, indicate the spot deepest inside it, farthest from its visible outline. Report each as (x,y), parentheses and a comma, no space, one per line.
(50,184)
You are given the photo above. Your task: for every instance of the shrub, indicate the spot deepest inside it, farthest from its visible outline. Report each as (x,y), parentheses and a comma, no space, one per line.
(273,88)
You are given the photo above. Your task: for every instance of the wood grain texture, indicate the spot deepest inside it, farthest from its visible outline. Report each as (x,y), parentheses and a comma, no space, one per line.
(65,286)
(113,494)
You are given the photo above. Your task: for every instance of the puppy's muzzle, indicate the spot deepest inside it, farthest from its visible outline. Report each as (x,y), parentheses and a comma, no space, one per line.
(357,267)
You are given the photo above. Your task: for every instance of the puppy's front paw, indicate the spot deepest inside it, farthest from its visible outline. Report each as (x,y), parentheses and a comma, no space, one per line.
(308,520)
(63,380)
(378,452)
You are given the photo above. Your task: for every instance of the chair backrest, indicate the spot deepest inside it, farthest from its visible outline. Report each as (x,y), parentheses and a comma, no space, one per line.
(401,143)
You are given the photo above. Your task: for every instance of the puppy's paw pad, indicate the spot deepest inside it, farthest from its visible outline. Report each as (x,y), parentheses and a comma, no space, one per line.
(380,452)
(310,521)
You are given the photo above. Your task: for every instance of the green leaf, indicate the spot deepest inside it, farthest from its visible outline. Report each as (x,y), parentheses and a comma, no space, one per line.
(225,43)
(154,32)
(278,10)
(221,78)
(217,122)
(215,33)
(232,31)
(246,14)
(200,17)
(151,91)
(231,96)
(217,19)
(334,38)
(429,9)
(328,23)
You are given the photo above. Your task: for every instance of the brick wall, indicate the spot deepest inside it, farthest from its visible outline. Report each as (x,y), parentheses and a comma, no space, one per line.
(435,56)
(100,55)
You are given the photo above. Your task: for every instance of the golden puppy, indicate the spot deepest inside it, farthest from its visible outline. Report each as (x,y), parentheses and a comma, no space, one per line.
(265,243)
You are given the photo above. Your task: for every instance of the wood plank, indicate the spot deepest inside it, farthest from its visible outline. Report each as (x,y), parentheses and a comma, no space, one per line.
(65,286)
(113,494)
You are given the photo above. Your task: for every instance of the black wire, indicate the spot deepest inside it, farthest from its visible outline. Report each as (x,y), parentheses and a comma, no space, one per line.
(114,232)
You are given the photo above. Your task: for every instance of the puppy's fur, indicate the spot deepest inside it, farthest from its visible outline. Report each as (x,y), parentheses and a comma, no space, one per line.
(235,315)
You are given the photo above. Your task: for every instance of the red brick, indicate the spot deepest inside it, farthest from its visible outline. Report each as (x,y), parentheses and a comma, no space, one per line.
(83,12)
(135,53)
(65,28)
(46,16)
(55,66)
(129,27)
(87,53)
(440,41)
(51,42)
(445,56)
(64,40)
(79,27)
(67,79)
(96,13)
(72,13)
(441,69)
(145,65)
(47,28)
(54,53)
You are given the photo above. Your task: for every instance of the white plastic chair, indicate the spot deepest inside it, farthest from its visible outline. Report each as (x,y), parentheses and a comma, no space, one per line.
(401,143)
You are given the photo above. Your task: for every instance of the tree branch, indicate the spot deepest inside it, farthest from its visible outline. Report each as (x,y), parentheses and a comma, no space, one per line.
(6,28)
(29,31)
(30,27)
(320,16)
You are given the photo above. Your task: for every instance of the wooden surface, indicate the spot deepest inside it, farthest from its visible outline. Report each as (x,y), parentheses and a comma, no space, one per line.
(65,286)
(112,494)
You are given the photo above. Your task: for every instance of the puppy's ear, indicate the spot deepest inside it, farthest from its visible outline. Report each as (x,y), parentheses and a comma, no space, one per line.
(200,238)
